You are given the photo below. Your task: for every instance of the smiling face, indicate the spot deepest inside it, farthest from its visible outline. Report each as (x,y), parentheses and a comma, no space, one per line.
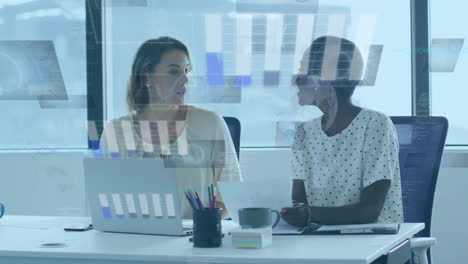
(167,83)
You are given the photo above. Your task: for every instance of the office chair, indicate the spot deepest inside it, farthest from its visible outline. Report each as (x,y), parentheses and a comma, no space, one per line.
(422,141)
(234,127)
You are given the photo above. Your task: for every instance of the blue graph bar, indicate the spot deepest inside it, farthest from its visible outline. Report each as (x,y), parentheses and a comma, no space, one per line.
(132,154)
(94,144)
(243,80)
(106,212)
(214,69)
(132,215)
(97,154)
(115,155)
(148,155)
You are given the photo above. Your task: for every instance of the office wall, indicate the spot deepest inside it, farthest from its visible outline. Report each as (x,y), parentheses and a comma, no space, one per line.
(450,216)
(53,184)
(42,183)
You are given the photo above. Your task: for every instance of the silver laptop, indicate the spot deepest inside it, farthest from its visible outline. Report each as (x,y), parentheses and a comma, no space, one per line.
(133,196)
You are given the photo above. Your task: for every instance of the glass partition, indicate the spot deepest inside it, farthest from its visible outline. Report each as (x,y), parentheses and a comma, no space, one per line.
(245,53)
(43,74)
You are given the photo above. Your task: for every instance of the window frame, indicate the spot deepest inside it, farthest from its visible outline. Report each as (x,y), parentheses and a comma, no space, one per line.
(95,63)
(89,80)
(420,58)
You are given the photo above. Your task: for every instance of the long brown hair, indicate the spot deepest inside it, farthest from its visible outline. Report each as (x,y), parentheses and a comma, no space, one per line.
(148,56)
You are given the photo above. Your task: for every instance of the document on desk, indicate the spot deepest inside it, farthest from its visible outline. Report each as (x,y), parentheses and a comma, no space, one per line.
(376,228)
(283,228)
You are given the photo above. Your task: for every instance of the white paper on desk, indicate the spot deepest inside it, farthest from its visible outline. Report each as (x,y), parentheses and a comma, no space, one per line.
(284,228)
(335,228)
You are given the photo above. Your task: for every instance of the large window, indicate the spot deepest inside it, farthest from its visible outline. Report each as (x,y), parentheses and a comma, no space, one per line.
(449,63)
(42,74)
(244,54)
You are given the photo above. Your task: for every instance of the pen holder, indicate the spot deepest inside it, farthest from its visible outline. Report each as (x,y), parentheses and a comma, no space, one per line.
(207,228)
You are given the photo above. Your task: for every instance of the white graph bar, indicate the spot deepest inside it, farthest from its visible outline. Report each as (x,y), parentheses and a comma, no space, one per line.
(170,205)
(182,143)
(364,38)
(146,135)
(274,37)
(130,203)
(117,204)
(163,129)
(305,26)
(336,25)
(213,33)
(92,131)
(143,204)
(111,138)
(157,205)
(128,134)
(243,45)
(103,200)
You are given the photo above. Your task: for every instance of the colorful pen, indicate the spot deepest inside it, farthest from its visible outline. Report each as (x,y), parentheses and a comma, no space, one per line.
(199,201)
(213,203)
(194,200)
(209,195)
(189,200)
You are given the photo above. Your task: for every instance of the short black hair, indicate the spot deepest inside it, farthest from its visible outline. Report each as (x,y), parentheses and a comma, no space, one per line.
(348,54)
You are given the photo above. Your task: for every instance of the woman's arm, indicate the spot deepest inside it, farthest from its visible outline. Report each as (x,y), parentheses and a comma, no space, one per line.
(297,215)
(299,192)
(367,210)
(224,212)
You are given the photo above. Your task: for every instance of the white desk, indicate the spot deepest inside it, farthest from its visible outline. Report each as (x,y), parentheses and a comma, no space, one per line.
(21,237)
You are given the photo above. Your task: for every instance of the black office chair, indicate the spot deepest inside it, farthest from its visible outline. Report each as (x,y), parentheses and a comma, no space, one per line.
(234,127)
(422,141)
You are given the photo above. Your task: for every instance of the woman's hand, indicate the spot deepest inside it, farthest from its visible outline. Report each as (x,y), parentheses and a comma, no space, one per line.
(224,211)
(297,215)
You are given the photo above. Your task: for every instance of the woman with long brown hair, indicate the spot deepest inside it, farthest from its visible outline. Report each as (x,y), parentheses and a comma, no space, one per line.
(193,141)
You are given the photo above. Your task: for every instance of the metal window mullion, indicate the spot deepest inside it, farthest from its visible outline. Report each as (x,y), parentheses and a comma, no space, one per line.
(420,58)
(94,62)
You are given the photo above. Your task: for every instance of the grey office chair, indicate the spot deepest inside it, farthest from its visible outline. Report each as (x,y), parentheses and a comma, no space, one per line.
(422,141)
(234,127)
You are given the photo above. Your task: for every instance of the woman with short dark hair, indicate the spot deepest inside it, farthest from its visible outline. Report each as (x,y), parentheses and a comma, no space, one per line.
(345,163)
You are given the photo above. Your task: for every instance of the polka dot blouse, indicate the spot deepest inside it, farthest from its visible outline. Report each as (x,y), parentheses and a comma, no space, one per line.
(335,169)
